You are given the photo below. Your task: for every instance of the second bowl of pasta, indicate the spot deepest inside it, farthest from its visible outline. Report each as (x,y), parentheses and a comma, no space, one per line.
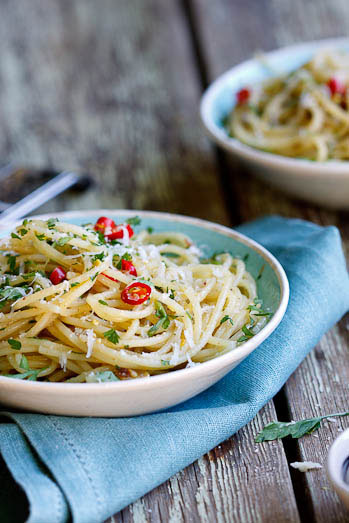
(286,115)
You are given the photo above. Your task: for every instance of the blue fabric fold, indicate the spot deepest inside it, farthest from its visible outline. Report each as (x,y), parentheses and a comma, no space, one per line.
(92,468)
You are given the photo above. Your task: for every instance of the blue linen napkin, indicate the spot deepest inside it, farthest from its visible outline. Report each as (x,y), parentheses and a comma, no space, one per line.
(91,468)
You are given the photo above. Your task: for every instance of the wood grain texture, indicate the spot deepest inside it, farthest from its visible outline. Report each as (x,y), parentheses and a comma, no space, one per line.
(320,385)
(224,486)
(113,88)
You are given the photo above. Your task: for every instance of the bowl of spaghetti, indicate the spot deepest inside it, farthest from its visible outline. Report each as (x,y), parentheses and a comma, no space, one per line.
(285,114)
(110,314)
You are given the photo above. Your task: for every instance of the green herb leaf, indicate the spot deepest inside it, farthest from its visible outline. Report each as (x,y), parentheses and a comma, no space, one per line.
(102,302)
(23,232)
(295,429)
(74,284)
(24,364)
(154,328)
(170,254)
(99,256)
(189,315)
(165,362)
(92,278)
(40,236)
(13,235)
(15,344)
(134,221)
(112,336)
(62,241)
(51,223)
(11,260)
(101,377)
(226,318)
(117,260)
(150,230)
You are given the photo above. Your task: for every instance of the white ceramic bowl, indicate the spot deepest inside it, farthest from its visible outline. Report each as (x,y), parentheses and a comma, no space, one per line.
(324,183)
(338,454)
(144,395)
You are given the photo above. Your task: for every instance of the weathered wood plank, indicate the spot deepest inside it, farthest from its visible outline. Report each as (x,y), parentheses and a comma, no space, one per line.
(320,384)
(224,486)
(113,88)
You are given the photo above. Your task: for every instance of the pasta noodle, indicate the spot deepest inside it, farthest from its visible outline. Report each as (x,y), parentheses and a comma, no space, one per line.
(304,114)
(99,303)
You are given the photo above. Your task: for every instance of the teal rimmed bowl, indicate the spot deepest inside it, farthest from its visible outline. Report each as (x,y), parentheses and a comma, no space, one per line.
(324,183)
(144,395)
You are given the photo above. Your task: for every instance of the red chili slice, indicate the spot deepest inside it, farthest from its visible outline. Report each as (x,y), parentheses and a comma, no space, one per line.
(103,224)
(58,275)
(336,86)
(118,232)
(243,95)
(128,266)
(110,277)
(136,293)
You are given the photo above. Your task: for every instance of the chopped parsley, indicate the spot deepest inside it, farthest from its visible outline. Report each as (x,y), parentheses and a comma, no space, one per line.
(117,260)
(10,294)
(102,302)
(15,344)
(134,221)
(150,230)
(31,374)
(13,235)
(92,278)
(164,320)
(112,336)
(62,241)
(248,334)
(165,362)
(101,377)
(258,311)
(11,260)
(74,284)
(226,318)
(170,254)
(40,236)
(100,256)
(51,223)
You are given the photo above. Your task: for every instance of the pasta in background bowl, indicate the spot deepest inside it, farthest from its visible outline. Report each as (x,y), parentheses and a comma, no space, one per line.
(289,166)
(108,293)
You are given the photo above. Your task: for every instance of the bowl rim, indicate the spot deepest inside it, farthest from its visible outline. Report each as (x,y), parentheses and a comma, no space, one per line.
(335,463)
(151,382)
(340,168)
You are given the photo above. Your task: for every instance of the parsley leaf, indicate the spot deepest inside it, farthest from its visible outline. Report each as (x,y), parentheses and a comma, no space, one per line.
(150,230)
(62,241)
(40,236)
(13,235)
(226,318)
(11,260)
(112,336)
(101,377)
(164,320)
(170,254)
(15,344)
(102,302)
(51,223)
(134,221)
(295,429)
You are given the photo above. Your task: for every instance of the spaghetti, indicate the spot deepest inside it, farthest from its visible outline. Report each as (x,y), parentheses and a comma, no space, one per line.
(99,303)
(304,114)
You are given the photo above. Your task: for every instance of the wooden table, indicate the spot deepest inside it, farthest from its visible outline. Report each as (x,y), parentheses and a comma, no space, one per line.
(113,87)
